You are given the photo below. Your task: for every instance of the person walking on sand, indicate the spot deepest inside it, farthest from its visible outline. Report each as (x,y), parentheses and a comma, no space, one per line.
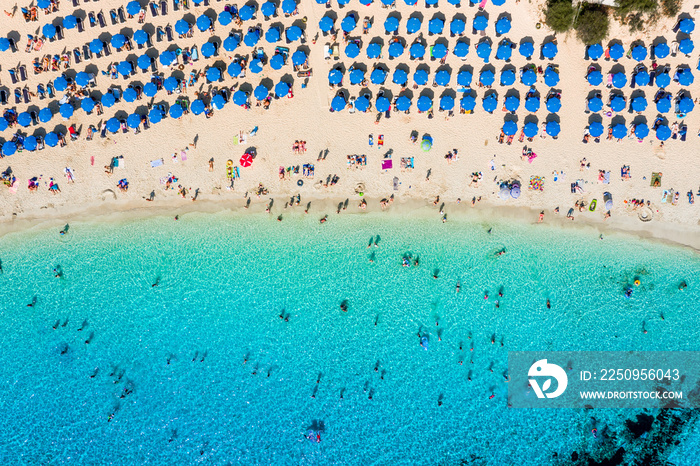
(541,217)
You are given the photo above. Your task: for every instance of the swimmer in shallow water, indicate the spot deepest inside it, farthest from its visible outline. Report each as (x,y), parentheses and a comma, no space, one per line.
(683,285)
(549,305)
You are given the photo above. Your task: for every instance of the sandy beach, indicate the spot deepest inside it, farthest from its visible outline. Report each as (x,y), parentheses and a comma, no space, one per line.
(187,145)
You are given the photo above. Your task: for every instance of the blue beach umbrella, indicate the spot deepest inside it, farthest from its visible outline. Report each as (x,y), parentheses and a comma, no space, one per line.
(124,68)
(281,89)
(526,49)
(686,46)
(685,105)
(507,77)
(447,102)
(261,92)
(348,23)
(60,84)
(551,77)
(140,36)
(43,4)
(596,129)
(118,41)
(197,107)
(82,79)
(230,43)
(498,2)
(407,2)
(362,103)
(9,148)
(325,24)
(246,12)
(374,50)
(134,120)
(510,128)
(129,94)
(225,18)
(663,105)
(457,26)
(417,50)
(504,51)
(595,51)
(420,77)
(442,78)
(685,77)
(595,78)
(299,58)
(639,53)
(213,74)
(686,25)
(641,130)
(663,132)
(175,111)
(464,78)
(391,24)
(256,65)
(45,115)
(51,139)
(617,51)
(468,102)
(512,103)
(617,103)
(529,77)
(439,51)
(182,27)
(239,98)
(150,89)
(218,102)
(413,25)
(293,33)
(338,103)
(30,143)
(352,50)
(480,22)
(382,104)
(387,2)
(170,84)
(49,30)
(595,104)
(427,2)
(619,80)
(167,57)
(661,50)
(251,38)
(400,77)
(502,25)
(435,26)
(113,125)
(532,104)
(490,103)
(395,49)
(268,9)
(107,100)
(553,128)
(208,49)
(553,104)
(378,76)
(483,51)
(549,50)
(530,130)
(487,77)
(66,110)
(277,61)
(335,76)
(4,44)
(69,22)
(234,69)
(424,103)
(663,79)
(639,104)
(403,103)
(288,6)
(461,49)
(641,78)
(133,8)
(25,119)
(143,62)
(272,35)
(619,131)
(155,115)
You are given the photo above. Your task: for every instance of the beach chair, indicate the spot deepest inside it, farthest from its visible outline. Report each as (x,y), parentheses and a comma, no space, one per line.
(76,3)
(50,91)
(87,55)
(160,34)
(80,25)
(194,53)
(154,65)
(3,97)
(13,75)
(122,15)
(41,91)
(18,96)
(114,17)
(77,57)
(92,19)
(154,9)
(25,94)
(163,7)
(13,45)
(106,49)
(327,51)
(336,51)
(169,32)
(101,19)
(59,32)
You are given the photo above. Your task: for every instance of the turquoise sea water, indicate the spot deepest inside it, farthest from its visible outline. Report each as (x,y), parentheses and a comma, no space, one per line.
(224,282)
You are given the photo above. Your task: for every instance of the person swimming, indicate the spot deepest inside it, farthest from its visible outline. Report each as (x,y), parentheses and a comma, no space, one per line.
(683,285)
(457,288)
(156,283)
(549,305)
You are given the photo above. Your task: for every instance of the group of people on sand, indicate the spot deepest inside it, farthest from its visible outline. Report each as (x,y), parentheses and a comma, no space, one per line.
(299,147)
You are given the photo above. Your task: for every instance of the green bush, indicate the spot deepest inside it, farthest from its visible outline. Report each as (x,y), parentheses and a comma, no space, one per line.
(670,7)
(627,6)
(592,25)
(559,15)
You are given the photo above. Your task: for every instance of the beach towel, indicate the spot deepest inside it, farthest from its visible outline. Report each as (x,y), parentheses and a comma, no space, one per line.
(69,174)
(156,163)
(536,183)
(183,155)
(396,183)
(387,164)
(13,189)
(655,180)
(606,179)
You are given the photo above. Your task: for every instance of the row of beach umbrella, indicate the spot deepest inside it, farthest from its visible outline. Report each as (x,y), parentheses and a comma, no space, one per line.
(618,103)
(683,75)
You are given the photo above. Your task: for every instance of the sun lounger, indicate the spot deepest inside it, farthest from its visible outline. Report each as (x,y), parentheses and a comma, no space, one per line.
(25,94)
(87,55)
(101,19)
(327,52)
(336,52)
(80,25)
(77,57)
(92,19)
(76,3)
(13,75)
(50,91)
(114,17)
(59,32)
(169,32)
(163,8)
(122,16)
(154,8)
(3,97)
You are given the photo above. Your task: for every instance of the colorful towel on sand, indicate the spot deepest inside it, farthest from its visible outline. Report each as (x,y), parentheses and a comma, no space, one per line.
(156,163)
(387,164)
(536,183)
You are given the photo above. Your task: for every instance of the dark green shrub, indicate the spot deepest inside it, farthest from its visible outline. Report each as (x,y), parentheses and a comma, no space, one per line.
(559,15)
(592,25)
